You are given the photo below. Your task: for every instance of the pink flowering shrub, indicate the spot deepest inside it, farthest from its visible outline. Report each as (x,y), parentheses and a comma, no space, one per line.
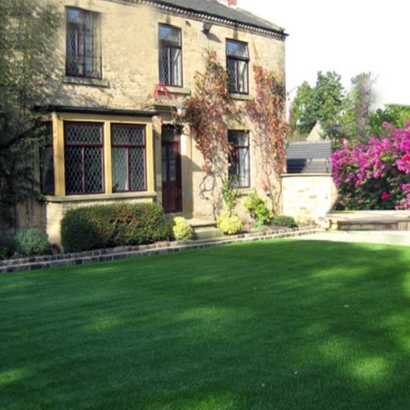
(375,175)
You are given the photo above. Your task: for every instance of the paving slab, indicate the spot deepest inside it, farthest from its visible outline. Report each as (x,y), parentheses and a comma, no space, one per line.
(401,238)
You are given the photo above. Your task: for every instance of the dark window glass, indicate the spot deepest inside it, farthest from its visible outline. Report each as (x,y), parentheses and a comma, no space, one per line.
(239,167)
(83,155)
(237,62)
(47,164)
(170,56)
(83,48)
(128,158)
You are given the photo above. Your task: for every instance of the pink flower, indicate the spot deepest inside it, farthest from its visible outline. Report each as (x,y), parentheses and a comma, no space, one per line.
(385,195)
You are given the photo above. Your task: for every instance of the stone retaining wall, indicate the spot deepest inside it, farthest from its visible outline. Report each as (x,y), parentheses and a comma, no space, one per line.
(102,255)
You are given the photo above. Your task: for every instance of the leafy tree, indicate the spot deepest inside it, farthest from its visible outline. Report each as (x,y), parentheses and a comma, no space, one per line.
(321,103)
(397,115)
(27,73)
(354,119)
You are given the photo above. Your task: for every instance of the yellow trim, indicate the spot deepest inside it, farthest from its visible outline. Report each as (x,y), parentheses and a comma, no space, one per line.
(107,120)
(107,158)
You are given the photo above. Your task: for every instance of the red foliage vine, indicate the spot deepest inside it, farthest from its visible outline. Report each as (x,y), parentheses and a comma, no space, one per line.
(207,111)
(267,111)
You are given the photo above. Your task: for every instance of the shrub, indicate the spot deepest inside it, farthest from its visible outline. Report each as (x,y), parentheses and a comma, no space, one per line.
(4,252)
(258,209)
(182,229)
(105,226)
(229,224)
(374,175)
(29,242)
(284,220)
(230,193)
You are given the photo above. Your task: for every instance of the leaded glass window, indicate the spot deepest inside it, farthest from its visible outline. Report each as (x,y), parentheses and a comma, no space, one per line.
(170,56)
(237,62)
(128,158)
(83,48)
(239,167)
(83,156)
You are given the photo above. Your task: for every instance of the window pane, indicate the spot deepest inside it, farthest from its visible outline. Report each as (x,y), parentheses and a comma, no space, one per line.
(128,157)
(119,170)
(170,35)
(47,170)
(127,135)
(93,169)
(244,167)
(83,133)
(243,76)
(176,67)
(170,56)
(235,48)
(73,170)
(231,69)
(83,49)
(137,169)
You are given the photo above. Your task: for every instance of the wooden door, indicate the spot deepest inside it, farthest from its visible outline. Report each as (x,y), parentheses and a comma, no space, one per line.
(171,170)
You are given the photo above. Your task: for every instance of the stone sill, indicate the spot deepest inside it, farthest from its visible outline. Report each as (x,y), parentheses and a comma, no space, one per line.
(242,97)
(100,197)
(94,82)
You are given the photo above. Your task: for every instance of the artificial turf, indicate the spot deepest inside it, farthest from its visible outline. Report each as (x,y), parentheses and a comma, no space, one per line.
(278,324)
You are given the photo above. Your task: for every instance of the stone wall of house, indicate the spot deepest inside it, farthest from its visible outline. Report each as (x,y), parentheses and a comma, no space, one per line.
(308,197)
(129,42)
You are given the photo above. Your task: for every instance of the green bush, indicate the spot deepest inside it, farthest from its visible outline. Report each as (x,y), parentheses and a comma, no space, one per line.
(258,209)
(105,226)
(283,220)
(4,252)
(182,229)
(29,242)
(229,224)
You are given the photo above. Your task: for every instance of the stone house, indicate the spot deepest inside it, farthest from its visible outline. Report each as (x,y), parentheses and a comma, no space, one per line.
(110,139)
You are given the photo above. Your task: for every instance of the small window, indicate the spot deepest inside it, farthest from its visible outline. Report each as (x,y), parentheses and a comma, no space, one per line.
(83,48)
(170,56)
(83,155)
(239,158)
(47,163)
(128,158)
(237,62)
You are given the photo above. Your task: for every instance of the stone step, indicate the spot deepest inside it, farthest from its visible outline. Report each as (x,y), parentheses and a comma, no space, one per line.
(203,229)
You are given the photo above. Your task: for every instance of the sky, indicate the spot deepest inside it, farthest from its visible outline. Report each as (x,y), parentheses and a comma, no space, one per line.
(349,37)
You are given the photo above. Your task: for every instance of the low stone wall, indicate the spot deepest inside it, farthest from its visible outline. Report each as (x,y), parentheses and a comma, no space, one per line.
(104,255)
(308,197)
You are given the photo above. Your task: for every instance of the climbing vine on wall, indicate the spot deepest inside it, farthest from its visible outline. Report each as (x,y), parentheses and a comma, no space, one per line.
(207,111)
(267,111)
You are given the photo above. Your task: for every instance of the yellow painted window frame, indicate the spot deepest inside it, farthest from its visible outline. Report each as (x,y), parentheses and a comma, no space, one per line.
(58,120)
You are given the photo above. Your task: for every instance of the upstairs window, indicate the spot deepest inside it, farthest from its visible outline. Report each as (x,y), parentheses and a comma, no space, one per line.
(239,158)
(170,56)
(128,158)
(83,48)
(237,62)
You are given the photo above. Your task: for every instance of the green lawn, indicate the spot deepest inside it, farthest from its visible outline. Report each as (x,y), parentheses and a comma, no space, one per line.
(280,324)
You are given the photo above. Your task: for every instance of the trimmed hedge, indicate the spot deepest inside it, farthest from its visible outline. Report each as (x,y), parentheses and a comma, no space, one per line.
(106,226)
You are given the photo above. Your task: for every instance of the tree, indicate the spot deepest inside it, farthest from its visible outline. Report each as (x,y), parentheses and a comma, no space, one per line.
(354,119)
(397,115)
(321,103)
(27,74)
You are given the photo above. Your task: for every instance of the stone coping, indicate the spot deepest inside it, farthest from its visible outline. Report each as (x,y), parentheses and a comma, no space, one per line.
(110,254)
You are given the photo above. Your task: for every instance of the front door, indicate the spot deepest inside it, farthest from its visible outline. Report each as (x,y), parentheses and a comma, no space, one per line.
(171,169)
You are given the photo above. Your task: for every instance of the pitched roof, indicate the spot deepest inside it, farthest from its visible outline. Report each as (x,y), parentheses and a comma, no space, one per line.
(212,10)
(309,157)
